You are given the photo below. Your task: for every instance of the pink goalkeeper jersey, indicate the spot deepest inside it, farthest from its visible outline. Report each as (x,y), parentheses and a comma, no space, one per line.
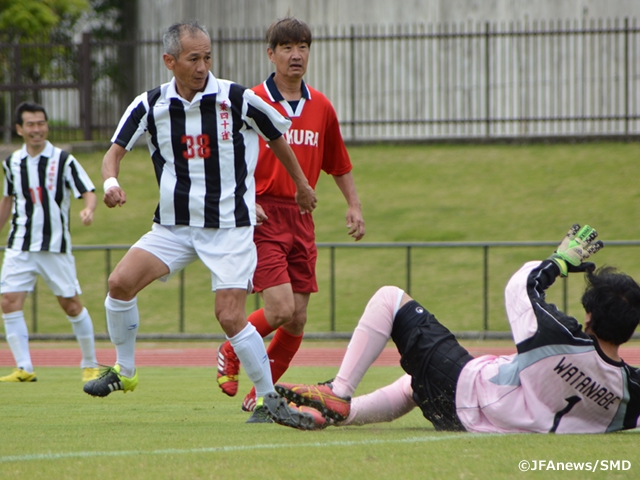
(559,381)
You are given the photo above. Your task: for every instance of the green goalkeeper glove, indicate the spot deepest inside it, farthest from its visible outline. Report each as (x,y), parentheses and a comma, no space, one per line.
(576,246)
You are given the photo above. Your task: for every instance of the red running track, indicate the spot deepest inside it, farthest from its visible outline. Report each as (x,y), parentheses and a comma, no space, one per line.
(206,357)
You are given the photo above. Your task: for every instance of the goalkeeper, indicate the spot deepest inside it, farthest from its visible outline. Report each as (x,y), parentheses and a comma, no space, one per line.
(563,379)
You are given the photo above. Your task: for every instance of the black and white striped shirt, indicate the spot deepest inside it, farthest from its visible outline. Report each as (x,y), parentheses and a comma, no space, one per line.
(204,152)
(42,189)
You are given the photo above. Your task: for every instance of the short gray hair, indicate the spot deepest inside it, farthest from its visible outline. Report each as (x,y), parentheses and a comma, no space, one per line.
(171,38)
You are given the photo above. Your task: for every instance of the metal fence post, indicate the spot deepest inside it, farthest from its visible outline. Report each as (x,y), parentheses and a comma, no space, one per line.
(485,325)
(17,70)
(487,74)
(352,41)
(332,287)
(219,73)
(408,270)
(181,303)
(626,76)
(107,261)
(86,86)
(34,308)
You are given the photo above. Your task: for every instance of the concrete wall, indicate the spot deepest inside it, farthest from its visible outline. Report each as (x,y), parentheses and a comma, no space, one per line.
(158,14)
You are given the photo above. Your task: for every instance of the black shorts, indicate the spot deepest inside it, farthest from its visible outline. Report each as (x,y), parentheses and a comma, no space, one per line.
(433,357)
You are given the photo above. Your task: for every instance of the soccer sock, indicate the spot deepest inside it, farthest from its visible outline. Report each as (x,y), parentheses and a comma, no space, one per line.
(369,338)
(383,405)
(17,336)
(281,351)
(83,330)
(258,320)
(122,321)
(249,348)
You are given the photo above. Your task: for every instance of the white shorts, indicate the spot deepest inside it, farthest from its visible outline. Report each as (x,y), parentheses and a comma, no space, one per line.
(58,270)
(229,253)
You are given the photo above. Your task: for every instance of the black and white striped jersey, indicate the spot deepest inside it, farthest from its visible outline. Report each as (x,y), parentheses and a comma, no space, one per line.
(42,189)
(204,152)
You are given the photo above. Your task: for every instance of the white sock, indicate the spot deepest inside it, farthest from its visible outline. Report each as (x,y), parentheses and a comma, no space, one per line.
(122,321)
(83,329)
(249,348)
(17,335)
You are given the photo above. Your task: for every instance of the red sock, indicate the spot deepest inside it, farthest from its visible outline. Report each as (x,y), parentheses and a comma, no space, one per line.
(281,351)
(258,320)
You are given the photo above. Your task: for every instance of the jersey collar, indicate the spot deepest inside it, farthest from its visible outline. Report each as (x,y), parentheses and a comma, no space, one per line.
(603,355)
(47,152)
(275,94)
(211,88)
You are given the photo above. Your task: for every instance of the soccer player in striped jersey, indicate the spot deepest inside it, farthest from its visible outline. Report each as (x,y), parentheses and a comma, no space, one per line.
(563,379)
(285,275)
(39,180)
(202,134)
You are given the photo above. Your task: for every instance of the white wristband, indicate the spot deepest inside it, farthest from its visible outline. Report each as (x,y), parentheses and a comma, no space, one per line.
(109,183)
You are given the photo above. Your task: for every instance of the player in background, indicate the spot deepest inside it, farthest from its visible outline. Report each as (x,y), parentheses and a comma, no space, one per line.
(39,180)
(561,380)
(285,275)
(202,135)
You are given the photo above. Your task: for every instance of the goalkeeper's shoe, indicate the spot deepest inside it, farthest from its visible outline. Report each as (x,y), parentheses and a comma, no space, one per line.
(110,380)
(19,375)
(290,415)
(320,397)
(319,420)
(260,414)
(228,369)
(89,373)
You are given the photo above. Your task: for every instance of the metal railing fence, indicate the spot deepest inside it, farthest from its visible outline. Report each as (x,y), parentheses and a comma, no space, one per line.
(387,82)
(409,249)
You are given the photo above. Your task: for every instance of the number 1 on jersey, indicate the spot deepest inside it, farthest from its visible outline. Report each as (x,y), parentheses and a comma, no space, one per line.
(36,194)
(571,401)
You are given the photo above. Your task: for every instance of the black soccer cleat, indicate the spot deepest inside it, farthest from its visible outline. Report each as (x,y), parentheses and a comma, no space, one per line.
(260,415)
(110,380)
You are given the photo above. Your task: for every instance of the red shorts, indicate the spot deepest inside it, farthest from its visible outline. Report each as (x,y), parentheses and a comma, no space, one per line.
(286,247)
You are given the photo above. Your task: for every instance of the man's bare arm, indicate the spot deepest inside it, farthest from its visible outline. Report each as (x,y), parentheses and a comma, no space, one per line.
(113,195)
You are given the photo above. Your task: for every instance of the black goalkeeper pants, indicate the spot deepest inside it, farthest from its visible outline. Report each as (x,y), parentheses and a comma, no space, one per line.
(433,358)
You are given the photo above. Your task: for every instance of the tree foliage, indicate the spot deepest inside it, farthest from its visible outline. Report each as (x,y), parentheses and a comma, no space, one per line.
(44,19)
(114,19)
(39,44)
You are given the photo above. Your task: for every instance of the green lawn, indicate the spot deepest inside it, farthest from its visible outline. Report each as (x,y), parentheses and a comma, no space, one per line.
(178,425)
(409,193)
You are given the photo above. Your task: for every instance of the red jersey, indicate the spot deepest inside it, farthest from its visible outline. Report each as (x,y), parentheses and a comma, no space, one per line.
(314,137)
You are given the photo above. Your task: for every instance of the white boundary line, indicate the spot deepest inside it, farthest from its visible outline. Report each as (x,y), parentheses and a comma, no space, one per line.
(225,449)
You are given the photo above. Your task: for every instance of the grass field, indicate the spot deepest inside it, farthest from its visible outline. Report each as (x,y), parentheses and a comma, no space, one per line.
(178,425)
(409,193)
